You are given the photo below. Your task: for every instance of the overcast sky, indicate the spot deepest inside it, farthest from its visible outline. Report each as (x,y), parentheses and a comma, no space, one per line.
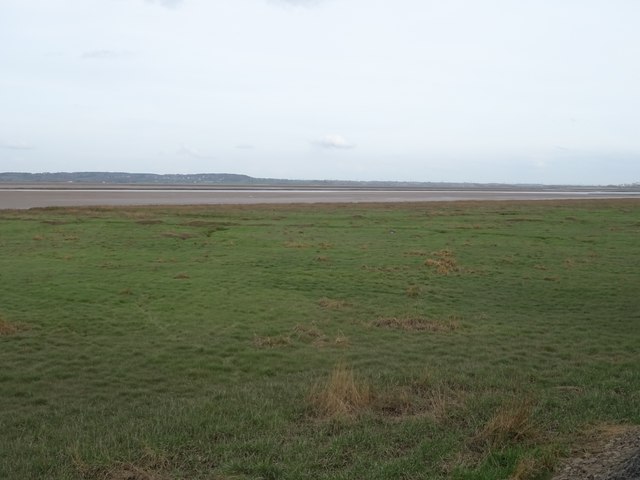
(544,91)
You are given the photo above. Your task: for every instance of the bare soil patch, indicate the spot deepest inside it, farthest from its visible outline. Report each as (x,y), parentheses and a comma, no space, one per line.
(608,453)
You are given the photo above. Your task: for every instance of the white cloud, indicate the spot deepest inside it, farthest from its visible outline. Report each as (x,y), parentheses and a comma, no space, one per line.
(333,141)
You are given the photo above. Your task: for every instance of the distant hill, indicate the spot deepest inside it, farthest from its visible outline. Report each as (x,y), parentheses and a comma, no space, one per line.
(231,179)
(125,178)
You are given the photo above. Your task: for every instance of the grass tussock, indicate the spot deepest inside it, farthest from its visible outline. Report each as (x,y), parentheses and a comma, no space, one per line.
(341,395)
(443,262)
(418,324)
(182,276)
(273,341)
(511,423)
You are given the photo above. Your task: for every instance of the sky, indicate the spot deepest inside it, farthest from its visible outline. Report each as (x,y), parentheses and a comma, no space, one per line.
(546,91)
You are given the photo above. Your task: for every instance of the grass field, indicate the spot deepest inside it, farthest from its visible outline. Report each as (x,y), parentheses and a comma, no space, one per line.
(396,341)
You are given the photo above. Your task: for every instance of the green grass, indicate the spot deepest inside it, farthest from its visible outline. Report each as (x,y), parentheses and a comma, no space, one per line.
(188,342)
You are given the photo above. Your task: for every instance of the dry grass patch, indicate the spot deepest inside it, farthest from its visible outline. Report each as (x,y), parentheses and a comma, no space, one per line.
(182,276)
(333,304)
(341,395)
(131,472)
(418,324)
(313,335)
(151,466)
(413,291)
(273,341)
(511,423)
(297,245)
(341,340)
(7,328)
(308,332)
(529,467)
(434,401)
(444,262)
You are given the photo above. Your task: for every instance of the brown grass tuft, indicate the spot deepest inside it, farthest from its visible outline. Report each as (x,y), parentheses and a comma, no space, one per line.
(308,332)
(151,466)
(333,304)
(341,340)
(341,395)
(444,262)
(434,401)
(512,423)
(413,291)
(182,276)
(415,324)
(293,244)
(8,328)
(131,472)
(527,468)
(273,341)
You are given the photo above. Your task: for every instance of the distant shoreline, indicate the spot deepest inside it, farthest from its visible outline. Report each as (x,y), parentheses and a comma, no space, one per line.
(436,187)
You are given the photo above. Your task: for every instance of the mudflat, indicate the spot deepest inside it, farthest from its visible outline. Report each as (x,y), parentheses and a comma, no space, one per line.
(24,197)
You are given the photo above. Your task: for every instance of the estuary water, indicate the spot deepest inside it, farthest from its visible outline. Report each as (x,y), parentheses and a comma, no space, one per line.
(29,197)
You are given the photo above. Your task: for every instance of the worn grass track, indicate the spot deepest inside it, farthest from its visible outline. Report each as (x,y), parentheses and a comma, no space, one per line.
(195,342)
